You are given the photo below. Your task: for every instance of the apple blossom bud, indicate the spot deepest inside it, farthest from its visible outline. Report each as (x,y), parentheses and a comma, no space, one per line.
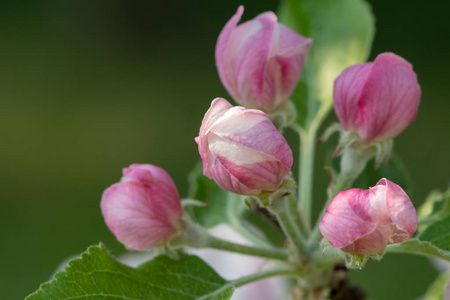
(378,100)
(365,221)
(142,210)
(242,150)
(260,61)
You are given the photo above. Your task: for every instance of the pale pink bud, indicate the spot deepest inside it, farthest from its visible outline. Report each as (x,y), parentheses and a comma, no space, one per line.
(142,210)
(242,150)
(260,61)
(365,221)
(377,100)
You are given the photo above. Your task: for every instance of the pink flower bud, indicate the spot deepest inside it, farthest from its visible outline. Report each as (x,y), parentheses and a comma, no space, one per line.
(143,209)
(260,61)
(365,221)
(377,100)
(242,150)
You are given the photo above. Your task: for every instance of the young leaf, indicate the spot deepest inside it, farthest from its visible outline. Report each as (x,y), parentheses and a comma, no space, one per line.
(96,275)
(342,33)
(418,247)
(435,207)
(438,234)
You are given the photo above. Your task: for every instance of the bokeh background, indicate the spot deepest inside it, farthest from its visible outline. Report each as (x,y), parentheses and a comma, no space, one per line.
(89,87)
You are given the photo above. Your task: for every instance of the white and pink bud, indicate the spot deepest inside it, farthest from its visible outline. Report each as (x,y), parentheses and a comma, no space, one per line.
(260,61)
(143,210)
(241,149)
(366,221)
(377,100)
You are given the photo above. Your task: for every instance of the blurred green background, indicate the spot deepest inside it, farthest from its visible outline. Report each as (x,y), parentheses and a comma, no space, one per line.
(89,87)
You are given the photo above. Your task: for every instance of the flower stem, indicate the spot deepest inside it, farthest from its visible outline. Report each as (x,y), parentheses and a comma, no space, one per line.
(306,172)
(194,236)
(281,209)
(236,223)
(274,253)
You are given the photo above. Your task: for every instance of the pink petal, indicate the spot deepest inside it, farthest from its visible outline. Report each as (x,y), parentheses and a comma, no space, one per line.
(227,76)
(347,218)
(249,62)
(216,110)
(164,193)
(289,50)
(347,92)
(253,129)
(389,100)
(129,215)
(401,210)
(248,171)
(372,243)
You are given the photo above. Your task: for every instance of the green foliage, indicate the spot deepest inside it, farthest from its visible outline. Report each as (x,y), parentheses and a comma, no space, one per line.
(419,247)
(435,207)
(96,275)
(438,233)
(342,33)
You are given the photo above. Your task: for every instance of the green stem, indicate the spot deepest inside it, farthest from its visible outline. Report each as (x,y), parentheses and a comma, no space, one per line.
(262,275)
(194,236)
(295,214)
(306,173)
(274,253)
(281,209)
(249,279)
(236,223)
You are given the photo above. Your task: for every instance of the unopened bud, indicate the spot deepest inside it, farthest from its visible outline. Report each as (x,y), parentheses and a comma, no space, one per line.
(260,61)
(242,150)
(143,210)
(365,221)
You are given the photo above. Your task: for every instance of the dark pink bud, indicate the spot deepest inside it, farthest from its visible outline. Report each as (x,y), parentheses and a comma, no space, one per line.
(260,61)
(242,150)
(365,221)
(378,100)
(143,209)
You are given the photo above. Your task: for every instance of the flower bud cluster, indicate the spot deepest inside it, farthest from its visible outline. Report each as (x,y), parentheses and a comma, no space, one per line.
(259,63)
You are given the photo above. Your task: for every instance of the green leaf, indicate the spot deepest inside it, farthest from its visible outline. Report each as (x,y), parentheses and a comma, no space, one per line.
(220,203)
(438,233)
(419,247)
(96,275)
(342,33)
(394,170)
(436,291)
(435,207)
